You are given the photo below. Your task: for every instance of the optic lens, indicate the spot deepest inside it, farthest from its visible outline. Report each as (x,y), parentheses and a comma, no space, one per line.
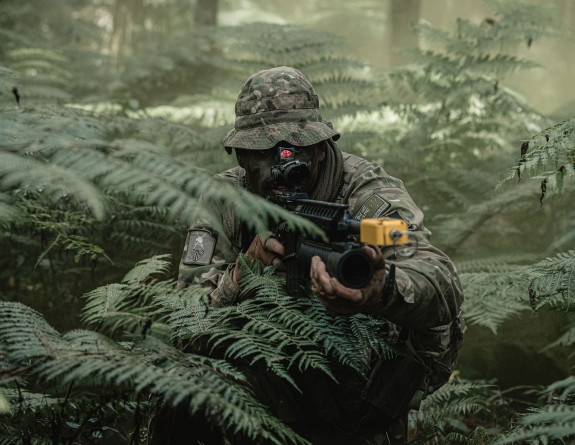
(286,154)
(296,174)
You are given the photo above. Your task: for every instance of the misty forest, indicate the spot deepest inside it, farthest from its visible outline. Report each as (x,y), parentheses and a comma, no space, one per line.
(112,115)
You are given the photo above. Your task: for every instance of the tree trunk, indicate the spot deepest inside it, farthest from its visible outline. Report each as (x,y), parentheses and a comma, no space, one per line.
(206,12)
(126,14)
(402,15)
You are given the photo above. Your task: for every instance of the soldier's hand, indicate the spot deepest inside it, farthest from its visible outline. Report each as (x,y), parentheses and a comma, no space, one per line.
(266,249)
(341,300)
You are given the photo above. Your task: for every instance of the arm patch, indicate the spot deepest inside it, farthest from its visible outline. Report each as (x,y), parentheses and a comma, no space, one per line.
(200,247)
(373,207)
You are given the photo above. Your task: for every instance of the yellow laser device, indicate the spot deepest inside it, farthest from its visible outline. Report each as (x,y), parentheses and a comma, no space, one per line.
(383,231)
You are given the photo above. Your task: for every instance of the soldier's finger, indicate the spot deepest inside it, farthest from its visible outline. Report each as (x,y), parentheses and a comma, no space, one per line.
(375,255)
(351,295)
(319,277)
(267,258)
(275,246)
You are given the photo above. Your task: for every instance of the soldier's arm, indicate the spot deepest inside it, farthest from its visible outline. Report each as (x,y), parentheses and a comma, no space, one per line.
(208,260)
(423,291)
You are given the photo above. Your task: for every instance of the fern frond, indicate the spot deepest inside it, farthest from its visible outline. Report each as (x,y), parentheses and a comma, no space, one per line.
(17,171)
(492,298)
(41,74)
(131,306)
(143,270)
(554,281)
(90,171)
(496,264)
(565,388)
(458,397)
(285,333)
(269,326)
(544,425)
(549,156)
(479,436)
(208,386)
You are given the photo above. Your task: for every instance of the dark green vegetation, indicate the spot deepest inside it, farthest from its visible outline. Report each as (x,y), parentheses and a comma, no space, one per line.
(107,141)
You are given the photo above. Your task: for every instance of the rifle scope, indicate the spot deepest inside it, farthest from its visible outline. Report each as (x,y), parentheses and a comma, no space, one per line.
(289,172)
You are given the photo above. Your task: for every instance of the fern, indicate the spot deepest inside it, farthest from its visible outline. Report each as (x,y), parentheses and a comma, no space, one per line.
(552,424)
(479,436)
(289,335)
(442,413)
(41,76)
(549,156)
(145,366)
(284,332)
(144,172)
(74,419)
(450,117)
(553,281)
(492,298)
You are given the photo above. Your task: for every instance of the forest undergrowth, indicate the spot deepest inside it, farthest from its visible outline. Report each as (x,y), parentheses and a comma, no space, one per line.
(105,158)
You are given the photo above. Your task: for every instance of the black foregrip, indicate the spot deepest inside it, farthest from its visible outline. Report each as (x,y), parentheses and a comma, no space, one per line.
(347,262)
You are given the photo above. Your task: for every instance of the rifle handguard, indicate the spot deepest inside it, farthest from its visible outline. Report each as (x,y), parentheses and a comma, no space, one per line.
(346,261)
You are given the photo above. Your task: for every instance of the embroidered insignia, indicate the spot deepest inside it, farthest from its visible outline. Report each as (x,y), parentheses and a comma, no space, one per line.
(200,248)
(373,207)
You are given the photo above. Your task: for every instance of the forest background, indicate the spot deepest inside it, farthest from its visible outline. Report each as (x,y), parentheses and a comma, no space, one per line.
(111,120)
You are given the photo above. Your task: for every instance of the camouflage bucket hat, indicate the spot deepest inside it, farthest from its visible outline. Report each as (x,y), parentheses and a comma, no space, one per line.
(276,105)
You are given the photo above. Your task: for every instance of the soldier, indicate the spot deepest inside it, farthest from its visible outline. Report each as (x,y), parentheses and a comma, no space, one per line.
(419,296)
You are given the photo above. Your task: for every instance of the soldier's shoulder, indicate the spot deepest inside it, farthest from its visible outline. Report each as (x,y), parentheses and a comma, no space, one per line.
(358,170)
(357,164)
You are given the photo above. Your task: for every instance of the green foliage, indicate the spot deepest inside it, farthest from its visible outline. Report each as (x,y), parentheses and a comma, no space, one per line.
(84,200)
(87,190)
(452,99)
(86,362)
(450,414)
(338,79)
(553,281)
(128,306)
(493,297)
(480,436)
(449,117)
(550,424)
(289,335)
(41,75)
(549,156)
(457,398)
(284,332)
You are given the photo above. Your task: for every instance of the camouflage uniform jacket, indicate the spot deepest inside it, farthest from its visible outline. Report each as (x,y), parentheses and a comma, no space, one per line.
(427,293)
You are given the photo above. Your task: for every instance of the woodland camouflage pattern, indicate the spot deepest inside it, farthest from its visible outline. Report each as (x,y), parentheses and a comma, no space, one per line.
(276,105)
(428,294)
(281,105)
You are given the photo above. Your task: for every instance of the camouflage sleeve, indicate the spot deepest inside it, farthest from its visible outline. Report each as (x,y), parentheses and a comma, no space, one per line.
(209,256)
(208,260)
(426,289)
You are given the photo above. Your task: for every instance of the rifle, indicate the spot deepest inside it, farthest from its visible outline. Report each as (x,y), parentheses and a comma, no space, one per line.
(342,254)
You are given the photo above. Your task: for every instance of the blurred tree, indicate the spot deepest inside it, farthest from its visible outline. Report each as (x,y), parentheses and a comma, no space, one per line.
(403,15)
(206,12)
(127,19)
